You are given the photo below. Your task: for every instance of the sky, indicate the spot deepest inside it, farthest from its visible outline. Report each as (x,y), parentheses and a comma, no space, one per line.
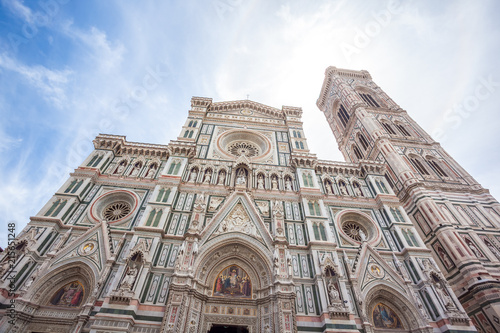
(71,69)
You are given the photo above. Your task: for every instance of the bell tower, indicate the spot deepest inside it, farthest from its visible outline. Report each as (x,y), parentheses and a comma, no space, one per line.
(457,218)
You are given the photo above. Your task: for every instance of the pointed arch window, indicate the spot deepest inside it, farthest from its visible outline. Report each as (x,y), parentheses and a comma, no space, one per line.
(299,135)
(163,195)
(435,165)
(190,123)
(92,161)
(369,100)
(316,231)
(186,134)
(402,129)
(297,145)
(388,128)
(417,164)
(363,141)
(317,211)
(322,231)
(154,217)
(195,123)
(343,115)
(358,154)
(301,145)
(381,186)
(294,134)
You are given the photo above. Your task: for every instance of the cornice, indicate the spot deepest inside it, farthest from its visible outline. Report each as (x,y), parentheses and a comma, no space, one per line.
(120,146)
(246,104)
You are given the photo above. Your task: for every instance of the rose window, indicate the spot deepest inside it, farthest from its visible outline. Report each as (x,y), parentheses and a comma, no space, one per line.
(242,148)
(116,211)
(354,231)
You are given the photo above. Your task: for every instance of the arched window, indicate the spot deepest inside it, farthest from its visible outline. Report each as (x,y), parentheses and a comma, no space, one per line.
(316,209)
(301,145)
(322,231)
(388,128)
(299,135)
(369,100)
(402,129)
(92,161)
(310,179)
(195,123)
(343,115)
(190,134)
(311,207)
(186,134)
(316,232)
(435,165)
(305,180)
(98,161)
(363,141)
(294,134)
(73,183)
(417,164)
(297,144)
(357,153)
(381,186)
(190,123)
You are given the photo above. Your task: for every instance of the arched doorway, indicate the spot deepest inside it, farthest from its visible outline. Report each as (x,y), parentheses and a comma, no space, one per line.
(389,310)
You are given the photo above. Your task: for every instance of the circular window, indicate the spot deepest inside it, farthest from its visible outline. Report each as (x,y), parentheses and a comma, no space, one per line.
(243,142)
(114,206)
(116,211)
(354,230)
(358,226)
(241,148)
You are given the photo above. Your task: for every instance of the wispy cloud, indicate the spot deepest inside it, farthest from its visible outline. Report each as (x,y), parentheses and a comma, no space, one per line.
(50,83)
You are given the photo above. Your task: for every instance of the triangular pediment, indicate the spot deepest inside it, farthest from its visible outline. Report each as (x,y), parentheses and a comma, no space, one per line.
(238,215)
(371,269)
(93,246)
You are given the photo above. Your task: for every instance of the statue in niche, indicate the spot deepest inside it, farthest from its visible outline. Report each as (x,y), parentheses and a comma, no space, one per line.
(492,248)
(133,267)
(135,169)
(222,177)
(274,183)
(343,188)
(241,178)
(121,167)
(357,190)
(443,295)
(208,175)
(474,249)
(260,182)
(288,184)
(333,293)
(28,283)
(151,171)
(194,174)
(328,188)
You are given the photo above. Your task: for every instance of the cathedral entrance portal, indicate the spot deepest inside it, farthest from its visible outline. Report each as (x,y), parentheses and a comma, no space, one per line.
(228,329)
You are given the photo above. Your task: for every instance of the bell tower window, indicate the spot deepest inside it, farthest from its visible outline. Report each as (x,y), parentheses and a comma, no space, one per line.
(343,115)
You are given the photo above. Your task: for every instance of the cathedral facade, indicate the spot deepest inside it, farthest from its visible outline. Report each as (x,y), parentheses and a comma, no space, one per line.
(236,226)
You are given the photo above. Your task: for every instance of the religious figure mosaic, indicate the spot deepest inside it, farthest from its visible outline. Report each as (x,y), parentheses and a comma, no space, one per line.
(71,295)
(384,317)
(233,281)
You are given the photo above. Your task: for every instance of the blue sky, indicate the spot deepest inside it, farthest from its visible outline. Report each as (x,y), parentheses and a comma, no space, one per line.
(72,69)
